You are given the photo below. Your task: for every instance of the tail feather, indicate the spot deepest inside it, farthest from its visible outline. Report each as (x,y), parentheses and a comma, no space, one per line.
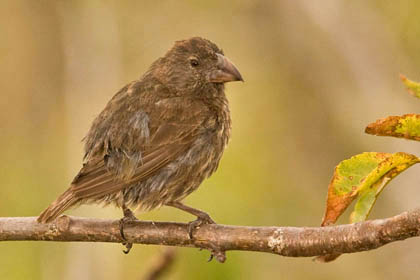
(63,202)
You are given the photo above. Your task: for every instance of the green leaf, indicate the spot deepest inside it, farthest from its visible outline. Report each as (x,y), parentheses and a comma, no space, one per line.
(362,177)
(412,87)
(409,125)
(405,126)
(366,200)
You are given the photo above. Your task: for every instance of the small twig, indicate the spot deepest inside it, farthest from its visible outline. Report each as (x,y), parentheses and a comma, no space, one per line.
(285,241)
(161,264)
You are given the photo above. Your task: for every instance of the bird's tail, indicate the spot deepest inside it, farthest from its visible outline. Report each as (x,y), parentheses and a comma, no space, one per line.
(62,203)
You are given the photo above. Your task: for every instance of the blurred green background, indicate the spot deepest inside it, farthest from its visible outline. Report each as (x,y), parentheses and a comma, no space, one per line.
(316,74)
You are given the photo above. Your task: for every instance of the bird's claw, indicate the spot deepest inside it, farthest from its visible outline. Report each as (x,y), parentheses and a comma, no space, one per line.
(128,217)
(203,219)
(218,254)
(128,246)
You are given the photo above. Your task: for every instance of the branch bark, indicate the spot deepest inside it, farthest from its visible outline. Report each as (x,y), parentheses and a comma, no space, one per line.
(285,241)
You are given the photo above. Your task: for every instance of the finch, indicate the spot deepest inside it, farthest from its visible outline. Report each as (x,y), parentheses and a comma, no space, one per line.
(159,137)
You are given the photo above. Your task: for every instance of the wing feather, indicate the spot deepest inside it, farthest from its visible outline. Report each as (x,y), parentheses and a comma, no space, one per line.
(88,186)
(173,134)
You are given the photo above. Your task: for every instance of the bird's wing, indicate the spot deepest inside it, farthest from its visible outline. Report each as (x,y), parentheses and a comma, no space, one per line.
(173,125)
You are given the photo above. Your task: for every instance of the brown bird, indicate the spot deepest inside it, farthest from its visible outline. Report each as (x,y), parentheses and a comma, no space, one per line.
(159,137)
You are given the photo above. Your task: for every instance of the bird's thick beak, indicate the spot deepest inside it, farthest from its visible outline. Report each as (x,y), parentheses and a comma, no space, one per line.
(225,72)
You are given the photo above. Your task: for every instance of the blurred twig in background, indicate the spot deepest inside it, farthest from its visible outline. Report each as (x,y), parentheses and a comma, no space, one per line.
(161,264)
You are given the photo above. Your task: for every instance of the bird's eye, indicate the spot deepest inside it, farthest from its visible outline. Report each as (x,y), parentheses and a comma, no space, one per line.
(194,62)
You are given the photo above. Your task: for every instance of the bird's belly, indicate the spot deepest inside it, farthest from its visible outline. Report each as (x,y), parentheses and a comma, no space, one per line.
(179,178)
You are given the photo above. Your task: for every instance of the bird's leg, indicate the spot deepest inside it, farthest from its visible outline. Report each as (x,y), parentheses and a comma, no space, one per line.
(202,217)
(128,217)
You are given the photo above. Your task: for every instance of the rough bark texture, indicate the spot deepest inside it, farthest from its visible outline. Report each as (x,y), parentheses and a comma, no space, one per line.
(285,241)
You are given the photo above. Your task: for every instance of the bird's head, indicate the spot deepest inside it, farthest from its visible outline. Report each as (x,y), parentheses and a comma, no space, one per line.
(193,64)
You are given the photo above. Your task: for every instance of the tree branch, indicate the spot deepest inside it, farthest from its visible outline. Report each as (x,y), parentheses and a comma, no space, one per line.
(285,241)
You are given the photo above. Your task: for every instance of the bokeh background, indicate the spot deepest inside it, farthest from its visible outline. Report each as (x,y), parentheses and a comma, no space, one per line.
(316,74)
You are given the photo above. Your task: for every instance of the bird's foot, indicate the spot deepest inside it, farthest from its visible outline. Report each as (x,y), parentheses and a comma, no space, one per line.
(202,219)
(218,254)
(128,217)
